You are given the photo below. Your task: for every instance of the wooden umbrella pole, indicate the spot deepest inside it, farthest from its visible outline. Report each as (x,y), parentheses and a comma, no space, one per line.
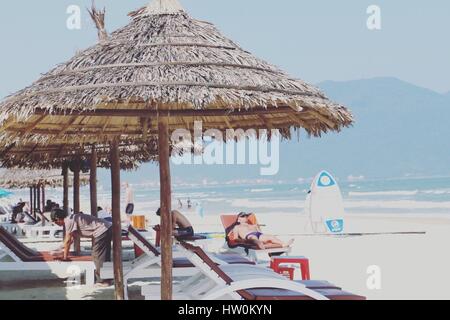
(38,200)
(65,171)
(76,198)
(31,201)
(166,208)
(34,202)
(117,229)
(43,197)
(76,186)
(93,181)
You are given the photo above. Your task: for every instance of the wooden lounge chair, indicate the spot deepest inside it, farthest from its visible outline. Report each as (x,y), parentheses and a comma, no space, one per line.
(245,282)
(148,265)
(26,259)
(248,247)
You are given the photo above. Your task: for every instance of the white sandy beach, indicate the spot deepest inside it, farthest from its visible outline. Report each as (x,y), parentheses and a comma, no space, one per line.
(412,266)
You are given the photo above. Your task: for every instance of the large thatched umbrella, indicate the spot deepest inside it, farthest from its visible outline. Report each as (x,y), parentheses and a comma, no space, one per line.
(162,72)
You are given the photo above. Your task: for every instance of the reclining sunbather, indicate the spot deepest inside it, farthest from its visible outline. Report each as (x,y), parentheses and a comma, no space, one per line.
(250,232)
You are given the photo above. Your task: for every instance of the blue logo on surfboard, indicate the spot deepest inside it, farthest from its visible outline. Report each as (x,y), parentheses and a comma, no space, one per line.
(325,180)
(335,226)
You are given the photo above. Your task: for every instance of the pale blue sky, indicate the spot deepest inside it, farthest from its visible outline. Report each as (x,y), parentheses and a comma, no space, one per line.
(314,40)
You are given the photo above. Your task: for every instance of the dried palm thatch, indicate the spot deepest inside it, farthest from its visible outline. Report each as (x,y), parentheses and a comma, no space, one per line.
(20,179)
(164,64)
(54,155)
(98,17)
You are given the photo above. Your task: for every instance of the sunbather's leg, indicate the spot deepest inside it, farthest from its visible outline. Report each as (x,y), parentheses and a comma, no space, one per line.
(258,242)
(266,238)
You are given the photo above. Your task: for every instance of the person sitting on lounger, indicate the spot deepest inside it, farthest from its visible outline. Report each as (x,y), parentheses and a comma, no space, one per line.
(49,206)
(181,225)
(17,212)
(86,226)
(250,232)
(103,214)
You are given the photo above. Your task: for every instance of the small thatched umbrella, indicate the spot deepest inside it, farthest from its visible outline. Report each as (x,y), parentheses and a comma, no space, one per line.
(37,181)
(162,72)
(22,178)
(54,155)
(60,155)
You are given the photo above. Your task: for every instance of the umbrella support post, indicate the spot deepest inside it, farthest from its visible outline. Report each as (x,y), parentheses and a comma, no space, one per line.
(166,208)
(93,181)
(76,187)
(117,228)
(38,200)
(34,201)
(31,202)
(43,198)
(76,199)
(65,173)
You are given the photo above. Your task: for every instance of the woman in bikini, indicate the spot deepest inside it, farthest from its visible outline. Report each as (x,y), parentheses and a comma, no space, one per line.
(250,232)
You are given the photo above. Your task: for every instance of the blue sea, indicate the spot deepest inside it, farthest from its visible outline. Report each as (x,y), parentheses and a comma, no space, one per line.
(393,196)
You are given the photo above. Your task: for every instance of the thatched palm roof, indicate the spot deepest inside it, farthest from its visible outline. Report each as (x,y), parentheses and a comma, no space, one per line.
(54,155)
(19,179)
(164,63)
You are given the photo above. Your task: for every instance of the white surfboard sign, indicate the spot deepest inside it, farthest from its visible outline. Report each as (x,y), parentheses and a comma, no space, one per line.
(325,204)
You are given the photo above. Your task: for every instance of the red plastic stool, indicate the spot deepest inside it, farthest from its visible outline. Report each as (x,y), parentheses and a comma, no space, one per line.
(287,272)
(277,262)
(137,251)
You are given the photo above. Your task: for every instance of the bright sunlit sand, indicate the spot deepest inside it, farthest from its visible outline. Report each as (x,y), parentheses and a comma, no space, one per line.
(410,264)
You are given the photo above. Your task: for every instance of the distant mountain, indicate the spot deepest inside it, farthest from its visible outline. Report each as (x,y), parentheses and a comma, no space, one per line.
(400,130)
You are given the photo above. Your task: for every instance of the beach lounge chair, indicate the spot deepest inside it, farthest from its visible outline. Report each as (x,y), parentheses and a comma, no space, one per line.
(5,209)
(43,228)
(35,229)
(22,258)
(246,282)
(194,238)
(148,265)
(245,246)
(36,232)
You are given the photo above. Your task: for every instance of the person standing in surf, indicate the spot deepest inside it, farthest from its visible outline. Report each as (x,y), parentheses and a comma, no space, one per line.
(129,199)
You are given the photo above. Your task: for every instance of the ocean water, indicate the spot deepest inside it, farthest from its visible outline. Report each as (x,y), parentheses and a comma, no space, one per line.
(393,196)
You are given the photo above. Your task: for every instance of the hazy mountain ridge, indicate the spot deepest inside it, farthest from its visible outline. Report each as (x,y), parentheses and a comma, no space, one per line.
(402,127)
(400,130)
